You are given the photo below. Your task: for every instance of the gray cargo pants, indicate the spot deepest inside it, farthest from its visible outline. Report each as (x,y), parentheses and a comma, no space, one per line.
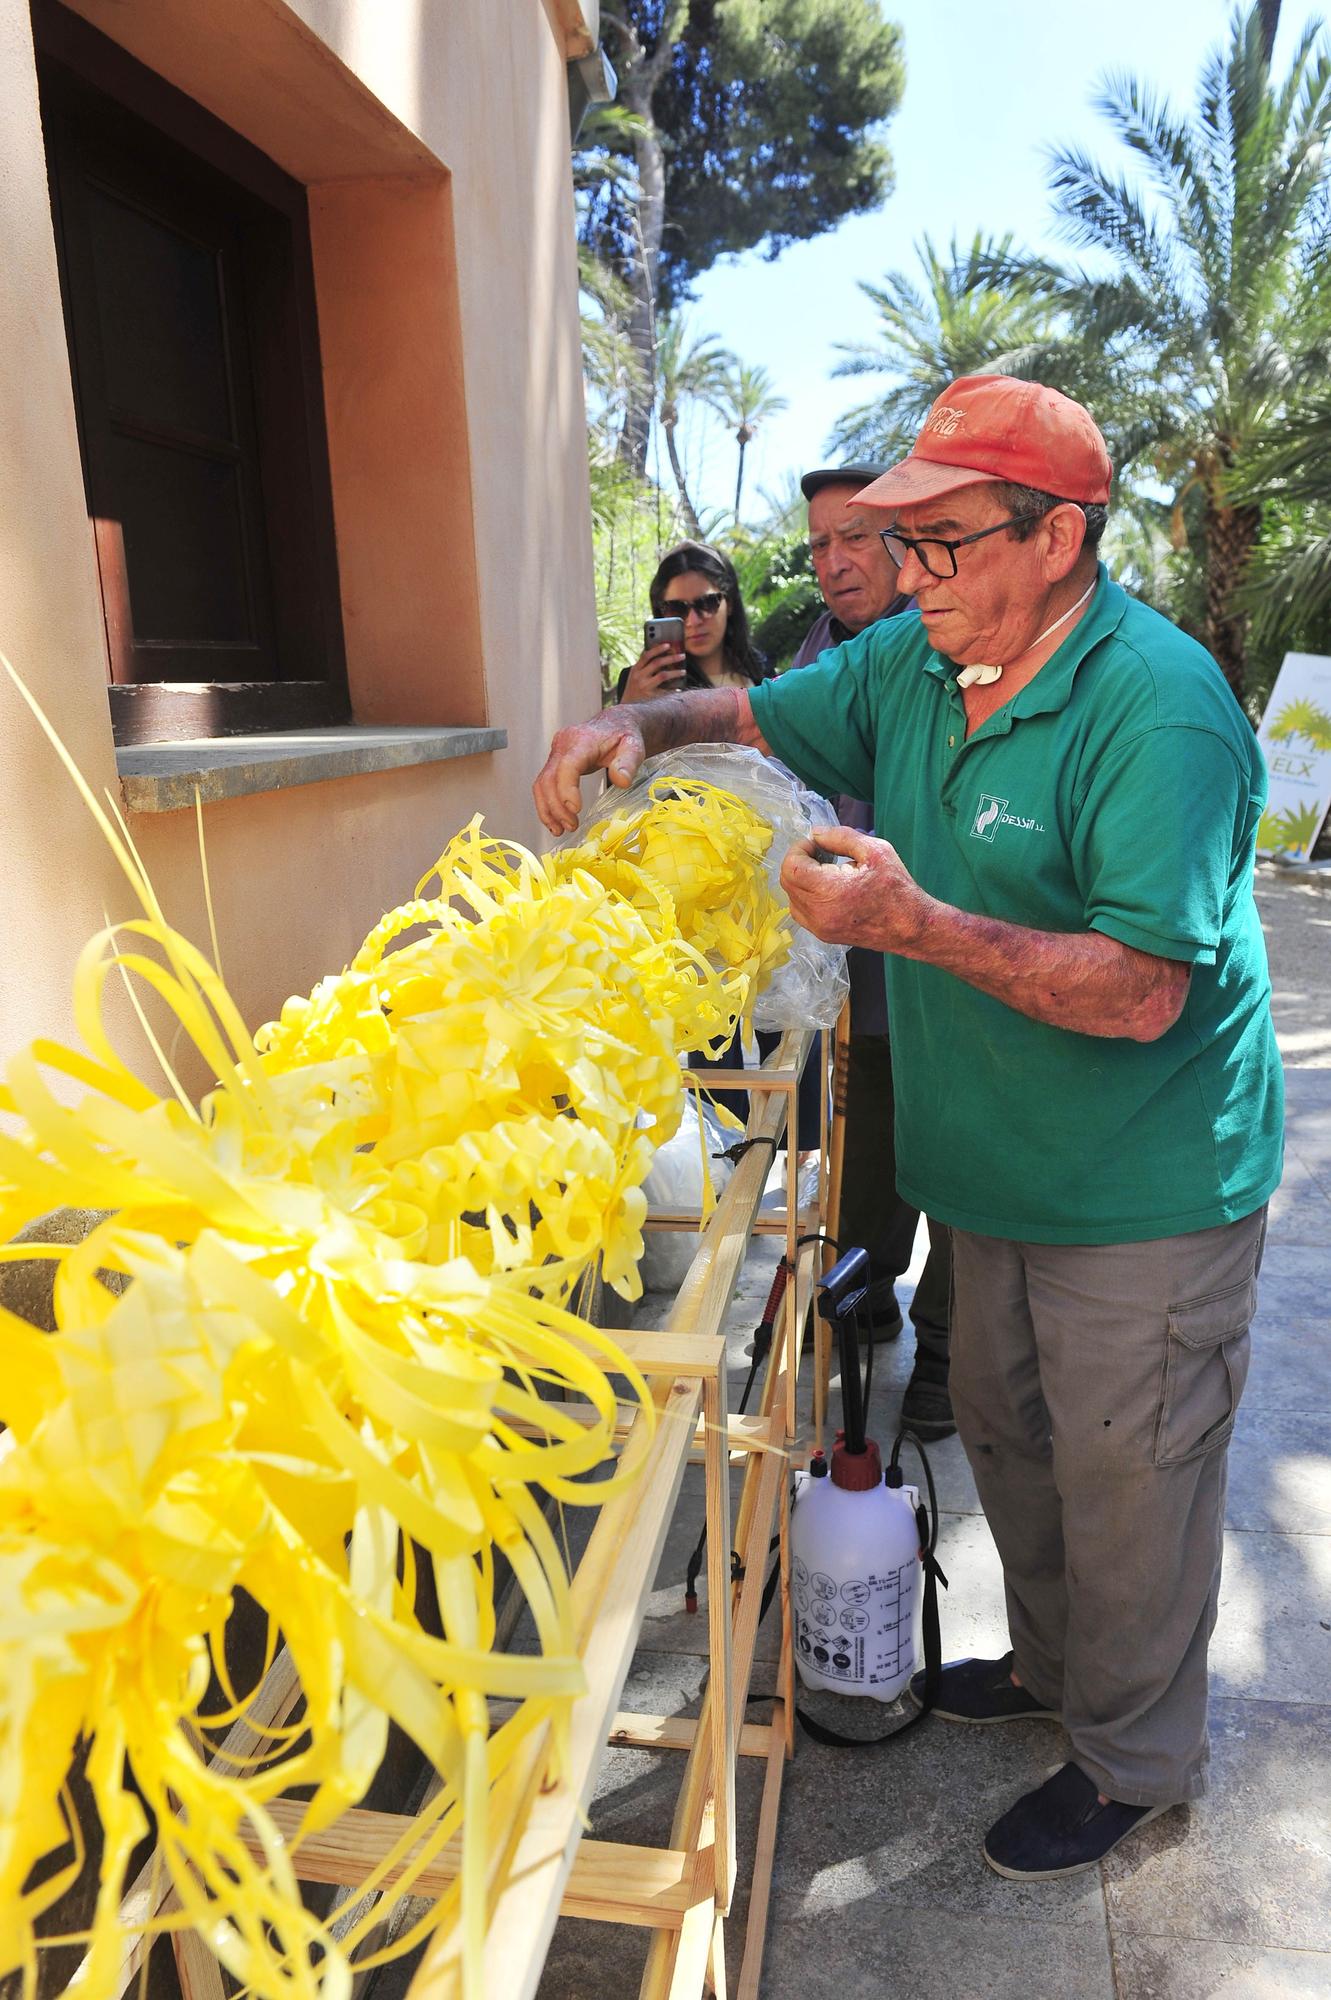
(1095,1387)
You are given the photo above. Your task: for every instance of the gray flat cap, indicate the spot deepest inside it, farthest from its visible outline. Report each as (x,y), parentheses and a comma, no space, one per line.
(839,475)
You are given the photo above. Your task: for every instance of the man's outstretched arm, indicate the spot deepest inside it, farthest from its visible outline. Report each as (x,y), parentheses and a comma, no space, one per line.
(617,740)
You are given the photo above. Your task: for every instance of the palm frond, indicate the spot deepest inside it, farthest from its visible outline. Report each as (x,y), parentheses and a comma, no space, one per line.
(1289,594)
(1186,183)
(950,319)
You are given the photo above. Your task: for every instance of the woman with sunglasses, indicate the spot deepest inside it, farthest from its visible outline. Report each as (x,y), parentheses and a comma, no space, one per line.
(699,585)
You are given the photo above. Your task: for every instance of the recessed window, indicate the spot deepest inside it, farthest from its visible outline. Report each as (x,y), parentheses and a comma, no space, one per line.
(189,304)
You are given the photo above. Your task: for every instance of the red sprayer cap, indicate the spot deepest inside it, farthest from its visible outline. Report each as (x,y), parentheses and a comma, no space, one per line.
(856,1471)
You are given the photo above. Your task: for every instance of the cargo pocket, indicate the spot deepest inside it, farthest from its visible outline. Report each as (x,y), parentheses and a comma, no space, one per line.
(1206,1365)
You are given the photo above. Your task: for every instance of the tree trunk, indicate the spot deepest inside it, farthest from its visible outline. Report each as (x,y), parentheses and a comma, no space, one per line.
(1230,535)
(641,396)
(638,78)
(636,89)
(743,434)
(691,523)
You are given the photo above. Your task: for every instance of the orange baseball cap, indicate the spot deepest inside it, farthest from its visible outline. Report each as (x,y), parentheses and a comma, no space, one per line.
(994,427)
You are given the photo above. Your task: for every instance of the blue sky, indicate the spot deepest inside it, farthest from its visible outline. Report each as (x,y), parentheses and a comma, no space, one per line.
(991,86)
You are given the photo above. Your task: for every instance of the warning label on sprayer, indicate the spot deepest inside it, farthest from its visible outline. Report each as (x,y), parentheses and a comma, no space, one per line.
(833,1653)
(857,1631)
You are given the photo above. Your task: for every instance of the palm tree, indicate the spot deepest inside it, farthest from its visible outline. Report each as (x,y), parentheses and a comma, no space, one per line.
(950,322)
(1212,311)
(609,363)
(687,370)
(1288,471)
(749,400)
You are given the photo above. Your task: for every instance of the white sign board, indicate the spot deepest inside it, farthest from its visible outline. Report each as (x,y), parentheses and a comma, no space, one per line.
(1296,740)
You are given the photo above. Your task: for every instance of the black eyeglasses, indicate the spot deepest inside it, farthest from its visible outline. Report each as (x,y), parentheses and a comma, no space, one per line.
(702,607)
(935,554)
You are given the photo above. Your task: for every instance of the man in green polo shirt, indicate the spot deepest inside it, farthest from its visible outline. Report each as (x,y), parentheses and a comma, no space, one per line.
(1066,798)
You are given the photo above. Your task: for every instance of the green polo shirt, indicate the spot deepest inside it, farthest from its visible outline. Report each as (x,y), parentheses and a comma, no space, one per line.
(1119,791)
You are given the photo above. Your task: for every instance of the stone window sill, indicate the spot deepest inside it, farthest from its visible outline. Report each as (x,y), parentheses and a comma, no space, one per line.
(163,777)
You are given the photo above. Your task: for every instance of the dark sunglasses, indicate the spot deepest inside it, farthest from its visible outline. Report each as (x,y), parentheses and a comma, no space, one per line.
(701,607)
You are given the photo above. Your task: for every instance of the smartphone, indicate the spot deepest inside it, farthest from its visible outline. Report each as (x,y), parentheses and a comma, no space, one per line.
(657,631)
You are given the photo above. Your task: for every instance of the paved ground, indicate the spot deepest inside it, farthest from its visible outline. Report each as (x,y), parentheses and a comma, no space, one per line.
(879,1884)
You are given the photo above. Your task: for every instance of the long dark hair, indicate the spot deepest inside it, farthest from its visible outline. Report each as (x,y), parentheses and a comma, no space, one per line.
(737,647)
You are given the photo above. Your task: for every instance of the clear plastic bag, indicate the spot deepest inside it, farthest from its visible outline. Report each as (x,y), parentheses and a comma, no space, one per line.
(676,1181)
(810,989)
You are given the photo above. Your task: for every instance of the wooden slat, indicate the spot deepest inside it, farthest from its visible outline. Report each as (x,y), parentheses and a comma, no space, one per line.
(795,1313)
(197,1970)
(780,1072)
(694,1943)
(609,1880)
(702,1299)
(529,1867)
(772,1221)
(835,1165)
(668,1352)
(533,1864)
(743,1433)
(716,1960)
(723,1724)
(151,1894)
(764,1854)
(677,1732)
(770,1477)
(671,1960)
(785,1678)
(632,1729)
(671,1968)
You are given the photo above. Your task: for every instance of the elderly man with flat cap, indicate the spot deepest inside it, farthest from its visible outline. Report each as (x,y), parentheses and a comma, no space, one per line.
(1066,798)
(858,579)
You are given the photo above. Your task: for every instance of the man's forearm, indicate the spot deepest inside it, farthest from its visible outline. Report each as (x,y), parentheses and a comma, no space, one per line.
(697,715)
(1082,981)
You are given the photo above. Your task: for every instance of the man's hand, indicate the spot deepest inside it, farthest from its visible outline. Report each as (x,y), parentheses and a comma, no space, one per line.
(874,902)
(617,740)
(610,742)
(1083,981)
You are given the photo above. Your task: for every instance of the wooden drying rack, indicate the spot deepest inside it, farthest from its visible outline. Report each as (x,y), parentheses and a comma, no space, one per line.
(541,1862)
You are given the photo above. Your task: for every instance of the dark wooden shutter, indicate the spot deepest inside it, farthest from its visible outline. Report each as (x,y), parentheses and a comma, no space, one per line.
(189,310)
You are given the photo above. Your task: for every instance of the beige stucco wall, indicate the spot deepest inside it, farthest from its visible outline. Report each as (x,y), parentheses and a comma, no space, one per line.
(434,139)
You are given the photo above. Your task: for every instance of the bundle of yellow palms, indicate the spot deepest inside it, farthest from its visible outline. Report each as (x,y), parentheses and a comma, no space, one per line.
(704,849)
(347,1270)
(285,1400)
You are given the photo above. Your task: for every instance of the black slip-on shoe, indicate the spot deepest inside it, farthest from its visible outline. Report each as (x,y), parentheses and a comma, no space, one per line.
(1061,1828)
(979,1691)
(926,1408)
(882,1327)
(881,1313)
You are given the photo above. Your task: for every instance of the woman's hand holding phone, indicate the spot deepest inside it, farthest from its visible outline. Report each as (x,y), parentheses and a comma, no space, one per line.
(660,667)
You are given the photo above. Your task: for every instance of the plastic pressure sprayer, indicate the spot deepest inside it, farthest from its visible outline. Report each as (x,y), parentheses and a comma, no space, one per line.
(864,1577)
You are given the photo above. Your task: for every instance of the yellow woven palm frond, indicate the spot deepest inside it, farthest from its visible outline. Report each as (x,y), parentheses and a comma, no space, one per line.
(343,1347)
(258,1394)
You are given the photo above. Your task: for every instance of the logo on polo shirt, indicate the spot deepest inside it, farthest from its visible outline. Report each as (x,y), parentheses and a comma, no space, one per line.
(992,812)
(987,815)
